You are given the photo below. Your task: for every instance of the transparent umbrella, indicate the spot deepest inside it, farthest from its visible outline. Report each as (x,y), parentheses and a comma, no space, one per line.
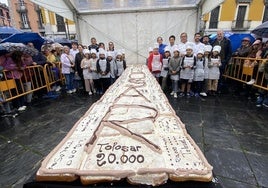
(261,30)
(11,47)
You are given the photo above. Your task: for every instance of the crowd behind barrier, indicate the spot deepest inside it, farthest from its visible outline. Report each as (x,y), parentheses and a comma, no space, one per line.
(34,78)
(243,69)
(56,66)
(38,77)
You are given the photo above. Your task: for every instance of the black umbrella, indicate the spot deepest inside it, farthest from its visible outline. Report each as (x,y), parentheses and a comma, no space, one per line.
(261,30)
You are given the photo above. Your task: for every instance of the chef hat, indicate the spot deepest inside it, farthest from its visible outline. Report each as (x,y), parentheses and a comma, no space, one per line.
(119,53)
(86,51)
(208,48)
(176,49)
(156,45)
(93,51)
(200,52)
(150,49)
(217,48)
(189,46)
(167,49)
(102,51)
(109,53)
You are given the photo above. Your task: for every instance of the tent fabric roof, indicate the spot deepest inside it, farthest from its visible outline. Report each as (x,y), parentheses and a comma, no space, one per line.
(91,6)
(66,8)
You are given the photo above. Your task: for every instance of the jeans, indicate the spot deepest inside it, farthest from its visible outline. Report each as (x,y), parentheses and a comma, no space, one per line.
(175,85)
(69,81)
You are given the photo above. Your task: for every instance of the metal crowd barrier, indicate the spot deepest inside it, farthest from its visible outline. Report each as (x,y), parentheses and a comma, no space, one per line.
(34,78)
(244,69)
(53,75)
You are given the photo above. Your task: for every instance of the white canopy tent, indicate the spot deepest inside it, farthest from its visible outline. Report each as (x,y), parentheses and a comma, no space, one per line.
(132,25)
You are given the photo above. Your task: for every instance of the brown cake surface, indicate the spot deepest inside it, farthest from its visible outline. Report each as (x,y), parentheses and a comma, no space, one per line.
(131,132)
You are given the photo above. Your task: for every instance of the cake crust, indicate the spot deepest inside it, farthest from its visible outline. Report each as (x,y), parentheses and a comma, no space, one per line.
(131,133)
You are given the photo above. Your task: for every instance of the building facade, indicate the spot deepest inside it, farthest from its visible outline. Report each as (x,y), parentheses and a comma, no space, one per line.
(236,16)
(4,15)
(30,17)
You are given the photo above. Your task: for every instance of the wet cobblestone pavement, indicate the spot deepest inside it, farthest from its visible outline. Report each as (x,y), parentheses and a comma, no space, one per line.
(230,130)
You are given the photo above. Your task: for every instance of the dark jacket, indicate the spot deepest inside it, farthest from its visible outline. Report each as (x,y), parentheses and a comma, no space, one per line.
(226,50)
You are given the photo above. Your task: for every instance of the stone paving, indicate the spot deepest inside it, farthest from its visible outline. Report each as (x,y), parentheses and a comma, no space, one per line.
(230,130)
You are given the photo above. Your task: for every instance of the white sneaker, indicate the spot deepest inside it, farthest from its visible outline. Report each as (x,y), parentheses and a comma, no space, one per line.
(172,93)
(73,90)
(90,93)
(175,95)
(22,108)
(69,91)
(251,82)
(203,94)
(58,88)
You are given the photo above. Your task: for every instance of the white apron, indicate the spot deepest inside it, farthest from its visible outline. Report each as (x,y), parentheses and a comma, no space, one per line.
(156,64)
(199,73)
(214,70)
(187,73)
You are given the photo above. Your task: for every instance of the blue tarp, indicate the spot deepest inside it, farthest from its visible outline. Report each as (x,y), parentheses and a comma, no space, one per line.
(235,39)
(8,31)
(26,37)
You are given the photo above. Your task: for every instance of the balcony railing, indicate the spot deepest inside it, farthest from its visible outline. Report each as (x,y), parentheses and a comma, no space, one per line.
(240,25)
(21,7)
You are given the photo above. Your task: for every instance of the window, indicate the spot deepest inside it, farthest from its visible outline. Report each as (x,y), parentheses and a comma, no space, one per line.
(265,15)
(24,20)
(240,18)
(21,2)
(214,17)
(8,16)
(1,13)
(60,23)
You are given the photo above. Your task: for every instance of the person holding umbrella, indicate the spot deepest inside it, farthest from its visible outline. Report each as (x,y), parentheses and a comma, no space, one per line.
(15,67)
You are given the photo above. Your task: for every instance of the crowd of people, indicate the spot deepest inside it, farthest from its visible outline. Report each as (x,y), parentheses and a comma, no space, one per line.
(92,69)
(196,68)
(182,68)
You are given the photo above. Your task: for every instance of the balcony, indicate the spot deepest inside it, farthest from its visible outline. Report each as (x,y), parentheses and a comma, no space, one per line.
(240,25)
(21,7)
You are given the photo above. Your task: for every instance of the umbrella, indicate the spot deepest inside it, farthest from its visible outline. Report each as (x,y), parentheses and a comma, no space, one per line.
(26,37)
(11,47)
(261,30)
(63,41)
(236,39)
(8,31)
(3,50)
(56,45)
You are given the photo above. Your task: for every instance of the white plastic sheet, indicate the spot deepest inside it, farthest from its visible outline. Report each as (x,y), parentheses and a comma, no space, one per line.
(136,32)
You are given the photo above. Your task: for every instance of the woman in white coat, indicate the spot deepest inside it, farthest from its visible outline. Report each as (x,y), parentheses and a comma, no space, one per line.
(68,65)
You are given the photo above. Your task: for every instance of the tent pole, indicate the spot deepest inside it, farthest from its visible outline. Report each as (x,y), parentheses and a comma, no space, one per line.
(199,15)
(75,18)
